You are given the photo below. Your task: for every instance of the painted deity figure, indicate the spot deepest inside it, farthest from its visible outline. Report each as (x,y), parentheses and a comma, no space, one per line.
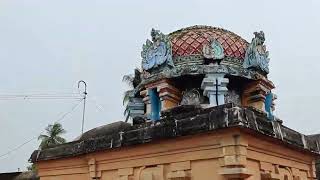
(156,52)
(213,50)
(256,54)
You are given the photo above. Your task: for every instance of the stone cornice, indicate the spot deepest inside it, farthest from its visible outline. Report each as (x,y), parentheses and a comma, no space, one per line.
(182,121)
(198,70)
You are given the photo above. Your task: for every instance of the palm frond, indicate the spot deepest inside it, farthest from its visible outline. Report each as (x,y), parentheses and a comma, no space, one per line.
(42,136)
(57,129)
(137,77)
(48,128)
(134,81)
(127,118)
(52,136)
(44,144)
(60,140)
(127,95)
(128,79)
(126,111)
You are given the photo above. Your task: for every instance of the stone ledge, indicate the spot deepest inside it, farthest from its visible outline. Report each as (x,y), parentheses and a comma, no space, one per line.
(235,173)
(182,121)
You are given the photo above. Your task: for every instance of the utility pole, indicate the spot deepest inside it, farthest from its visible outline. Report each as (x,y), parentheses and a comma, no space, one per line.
(84,102)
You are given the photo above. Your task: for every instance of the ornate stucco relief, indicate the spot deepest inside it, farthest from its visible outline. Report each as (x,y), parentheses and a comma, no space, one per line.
(257,56)
(156,52)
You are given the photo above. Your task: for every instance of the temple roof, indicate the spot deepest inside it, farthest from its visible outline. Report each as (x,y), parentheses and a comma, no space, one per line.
(105,130)
(193,51)
(182,121)
(190,41)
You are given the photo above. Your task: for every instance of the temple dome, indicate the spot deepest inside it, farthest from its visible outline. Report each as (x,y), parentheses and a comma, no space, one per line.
(189,41)
(105,130)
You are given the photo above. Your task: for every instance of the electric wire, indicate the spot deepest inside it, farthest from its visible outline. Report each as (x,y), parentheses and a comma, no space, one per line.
(41,96)
(2,156)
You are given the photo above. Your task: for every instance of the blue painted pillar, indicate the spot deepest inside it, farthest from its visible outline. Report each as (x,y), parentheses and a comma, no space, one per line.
(268,105)
(155,104)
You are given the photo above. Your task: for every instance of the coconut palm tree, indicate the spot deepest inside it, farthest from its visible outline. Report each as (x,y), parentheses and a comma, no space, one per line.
(52,136)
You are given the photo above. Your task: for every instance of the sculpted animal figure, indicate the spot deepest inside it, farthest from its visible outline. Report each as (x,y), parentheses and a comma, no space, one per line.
(256,55)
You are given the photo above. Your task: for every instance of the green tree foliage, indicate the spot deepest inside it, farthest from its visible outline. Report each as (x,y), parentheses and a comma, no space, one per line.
(52,136)
(32,167)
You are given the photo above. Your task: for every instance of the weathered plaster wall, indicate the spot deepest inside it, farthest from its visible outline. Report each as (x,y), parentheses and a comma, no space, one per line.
(277,161)
(224,154)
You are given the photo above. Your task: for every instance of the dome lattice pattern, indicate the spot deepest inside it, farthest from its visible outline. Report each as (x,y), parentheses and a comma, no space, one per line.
(190,41)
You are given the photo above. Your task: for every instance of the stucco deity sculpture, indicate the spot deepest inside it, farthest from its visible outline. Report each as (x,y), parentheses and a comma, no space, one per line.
(256,54)
(191,97)
(156,52)
(213,50)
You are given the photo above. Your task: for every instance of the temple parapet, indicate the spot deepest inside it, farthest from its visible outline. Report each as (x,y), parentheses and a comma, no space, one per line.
(186,120)
(187,142)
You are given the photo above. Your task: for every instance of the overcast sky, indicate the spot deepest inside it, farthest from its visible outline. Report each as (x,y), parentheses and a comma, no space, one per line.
(46,46)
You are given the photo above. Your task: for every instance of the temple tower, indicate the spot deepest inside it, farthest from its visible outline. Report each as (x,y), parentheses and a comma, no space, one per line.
(201,109)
